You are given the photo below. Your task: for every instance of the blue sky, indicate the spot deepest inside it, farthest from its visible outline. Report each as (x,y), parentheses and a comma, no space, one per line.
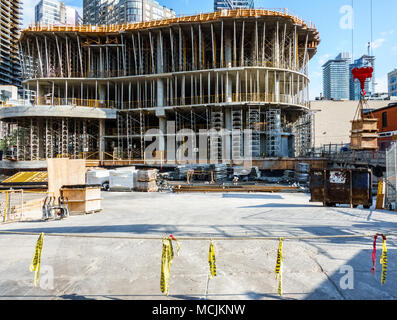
(330,17)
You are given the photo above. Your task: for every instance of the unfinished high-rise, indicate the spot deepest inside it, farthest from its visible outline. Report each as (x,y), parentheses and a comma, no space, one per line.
(100,88)
(10,21)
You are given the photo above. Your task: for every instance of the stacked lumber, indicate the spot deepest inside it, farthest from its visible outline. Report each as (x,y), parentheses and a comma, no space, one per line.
(147,181)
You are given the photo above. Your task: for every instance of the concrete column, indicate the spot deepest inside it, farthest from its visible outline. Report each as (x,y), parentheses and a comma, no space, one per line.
(160,83)
(102,93)
(101,139)
(162,127)
(228,49)
(276,86)
(160,113)
(37,93)
(228,93)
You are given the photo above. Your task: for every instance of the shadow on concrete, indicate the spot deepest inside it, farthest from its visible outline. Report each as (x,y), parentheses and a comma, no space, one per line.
(258,296)
(75,296)
(251,196)
(366,286)
(281,205)
(264,227)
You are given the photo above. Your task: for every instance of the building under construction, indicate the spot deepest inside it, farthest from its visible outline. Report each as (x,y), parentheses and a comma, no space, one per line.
(94,91)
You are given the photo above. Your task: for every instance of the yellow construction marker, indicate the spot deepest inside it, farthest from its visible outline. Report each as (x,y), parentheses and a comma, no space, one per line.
(380,195)
(5,208)
(212,261)
(279,266)
(36,260)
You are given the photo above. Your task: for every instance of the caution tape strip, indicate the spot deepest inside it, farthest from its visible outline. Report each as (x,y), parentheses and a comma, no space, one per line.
(166,260)
(211,260)
(168,252)
(36,259)
(383,261)
(279,266)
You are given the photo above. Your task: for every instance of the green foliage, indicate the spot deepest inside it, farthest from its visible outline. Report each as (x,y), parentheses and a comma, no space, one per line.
(8,141)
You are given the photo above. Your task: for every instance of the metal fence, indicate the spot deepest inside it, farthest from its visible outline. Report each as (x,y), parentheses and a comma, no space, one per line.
(391,177)
(11,205)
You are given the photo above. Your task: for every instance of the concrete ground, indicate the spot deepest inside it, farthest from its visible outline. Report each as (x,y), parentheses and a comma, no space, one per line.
(86,268)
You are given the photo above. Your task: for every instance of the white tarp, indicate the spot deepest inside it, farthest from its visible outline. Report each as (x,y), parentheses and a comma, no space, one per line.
(122,179)
(97,176)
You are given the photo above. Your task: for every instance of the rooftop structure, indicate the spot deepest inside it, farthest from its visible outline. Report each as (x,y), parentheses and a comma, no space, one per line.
(233,4)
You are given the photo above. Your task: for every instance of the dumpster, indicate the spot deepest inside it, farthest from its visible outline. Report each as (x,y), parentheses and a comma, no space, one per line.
(341,186)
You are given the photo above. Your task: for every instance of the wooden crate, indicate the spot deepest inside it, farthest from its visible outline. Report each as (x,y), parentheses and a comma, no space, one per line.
(77,207)
(82,199)
(364,141)
(81,193)
(365,125)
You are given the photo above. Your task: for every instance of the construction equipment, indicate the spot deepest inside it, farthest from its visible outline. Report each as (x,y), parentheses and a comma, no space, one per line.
(53,211)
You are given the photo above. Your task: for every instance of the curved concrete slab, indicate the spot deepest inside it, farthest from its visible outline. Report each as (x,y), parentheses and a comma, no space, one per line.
(57,112)
(20,165)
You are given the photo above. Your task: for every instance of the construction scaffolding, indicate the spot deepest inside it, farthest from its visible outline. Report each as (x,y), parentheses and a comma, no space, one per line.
(231,70)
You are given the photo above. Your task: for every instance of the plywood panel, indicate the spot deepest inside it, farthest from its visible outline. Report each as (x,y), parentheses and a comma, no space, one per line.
(64,171)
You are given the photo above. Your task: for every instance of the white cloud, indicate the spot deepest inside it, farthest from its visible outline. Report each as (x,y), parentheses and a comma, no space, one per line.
(381,84)
(387,33)
(323,59)
(377,43)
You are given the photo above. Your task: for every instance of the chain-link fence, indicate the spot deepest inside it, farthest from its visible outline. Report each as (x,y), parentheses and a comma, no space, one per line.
(21,205)
(391,177)
(11,205)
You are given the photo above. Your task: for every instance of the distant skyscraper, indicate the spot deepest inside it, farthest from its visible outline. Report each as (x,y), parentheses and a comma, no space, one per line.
(91,11)
(355,88)
(336,77)
(52,12)
(392,83)
(10,21)
(69,15)
(123,11)
(233,4)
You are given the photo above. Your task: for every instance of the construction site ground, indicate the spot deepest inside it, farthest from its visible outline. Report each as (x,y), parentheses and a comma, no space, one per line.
(87,268)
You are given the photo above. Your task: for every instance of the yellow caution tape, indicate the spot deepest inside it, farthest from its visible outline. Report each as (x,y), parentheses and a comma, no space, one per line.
(166,261)
(383,261)
(212,261)
(36,260)
(279,266)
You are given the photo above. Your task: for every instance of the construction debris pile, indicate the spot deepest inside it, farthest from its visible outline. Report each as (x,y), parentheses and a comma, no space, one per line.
(189,175)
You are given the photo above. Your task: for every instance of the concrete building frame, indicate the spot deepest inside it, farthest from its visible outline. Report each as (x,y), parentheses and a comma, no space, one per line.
(232,69)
